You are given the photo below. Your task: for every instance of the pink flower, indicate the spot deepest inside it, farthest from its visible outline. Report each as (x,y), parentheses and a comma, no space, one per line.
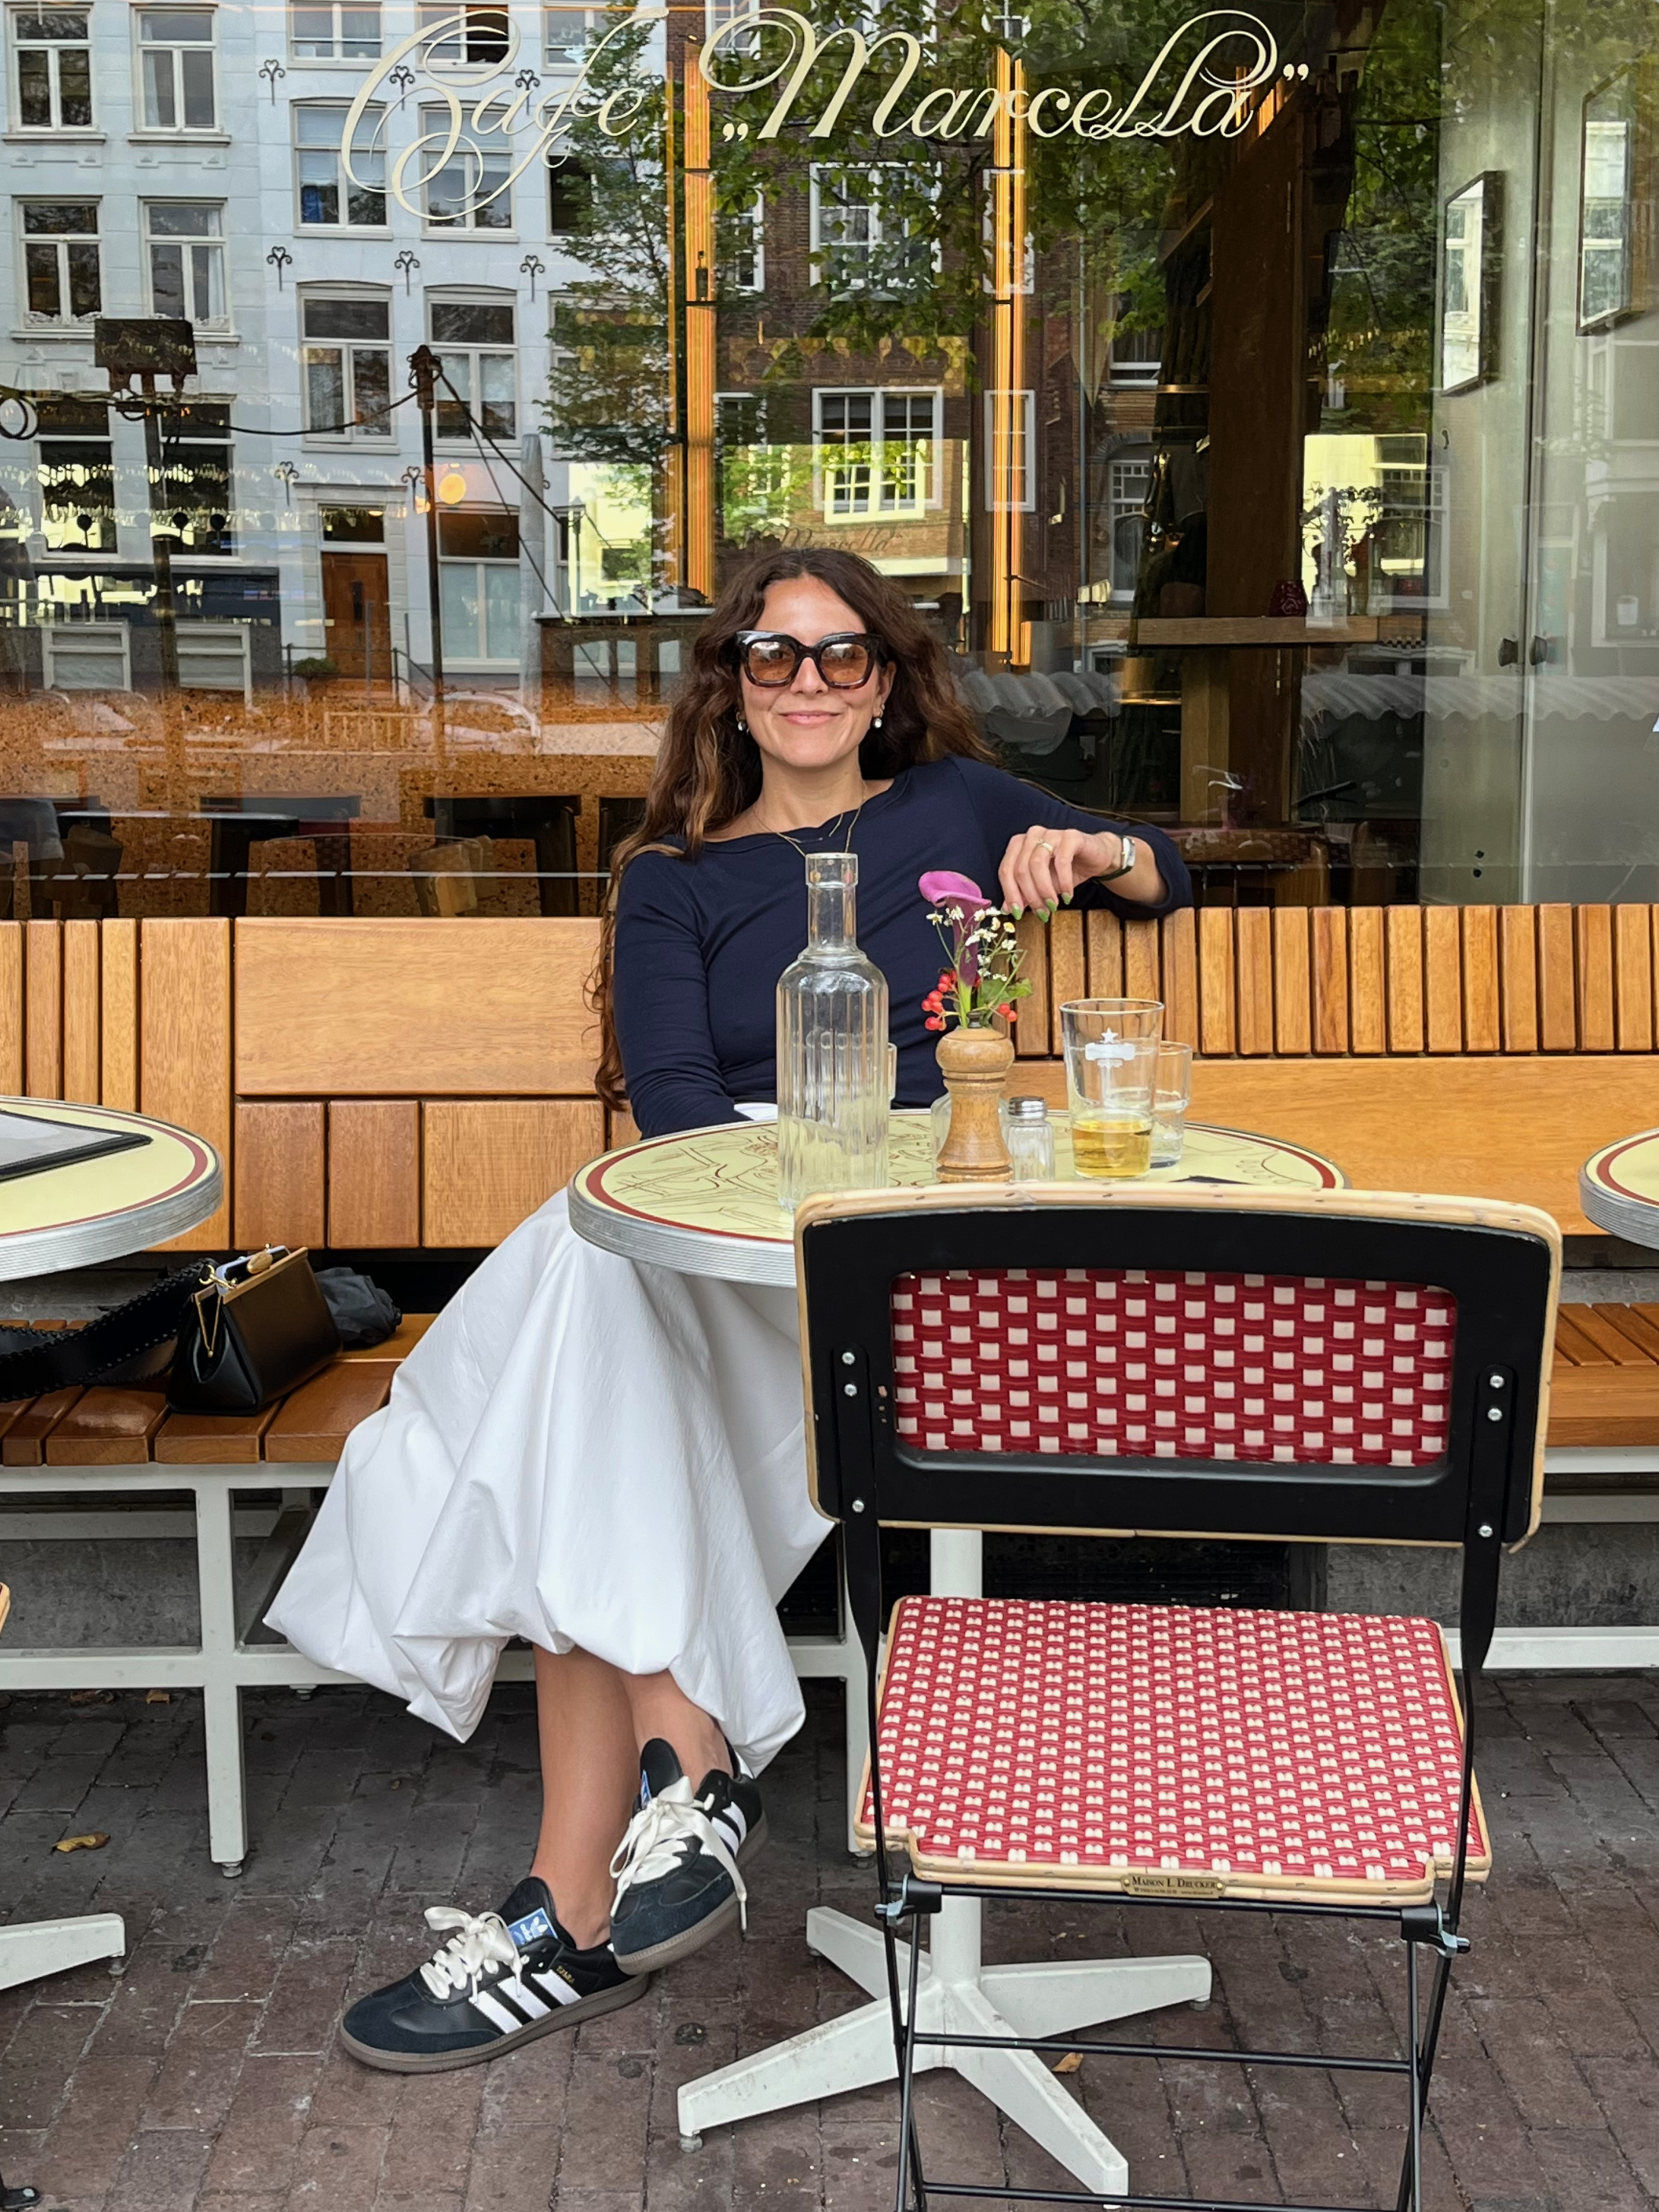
(940,887)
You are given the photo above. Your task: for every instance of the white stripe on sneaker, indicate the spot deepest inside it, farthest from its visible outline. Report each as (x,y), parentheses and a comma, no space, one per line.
(509,2022)
(524,1998)
(555,1986)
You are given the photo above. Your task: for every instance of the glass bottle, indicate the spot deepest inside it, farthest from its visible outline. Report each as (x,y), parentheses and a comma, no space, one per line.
(833,1081)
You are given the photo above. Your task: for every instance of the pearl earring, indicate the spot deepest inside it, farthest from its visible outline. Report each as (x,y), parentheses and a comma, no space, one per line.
(876,725)
(742,724)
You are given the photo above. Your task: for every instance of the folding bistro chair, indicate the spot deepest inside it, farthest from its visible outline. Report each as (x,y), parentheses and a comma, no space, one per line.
(1341,1366)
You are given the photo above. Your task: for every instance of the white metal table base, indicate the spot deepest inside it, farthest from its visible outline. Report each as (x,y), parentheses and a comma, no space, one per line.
(957,1991)
(34,1947)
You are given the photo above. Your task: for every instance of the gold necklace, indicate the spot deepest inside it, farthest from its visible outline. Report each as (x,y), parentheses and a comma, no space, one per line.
(846,843)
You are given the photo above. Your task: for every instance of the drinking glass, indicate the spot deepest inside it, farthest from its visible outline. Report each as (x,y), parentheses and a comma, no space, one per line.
(1109,1083)
(1172,1098)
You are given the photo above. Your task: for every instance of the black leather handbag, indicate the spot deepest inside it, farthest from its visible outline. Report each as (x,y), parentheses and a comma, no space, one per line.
(260,1327)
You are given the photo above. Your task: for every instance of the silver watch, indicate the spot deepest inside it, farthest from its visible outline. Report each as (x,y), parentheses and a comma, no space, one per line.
(1126,860)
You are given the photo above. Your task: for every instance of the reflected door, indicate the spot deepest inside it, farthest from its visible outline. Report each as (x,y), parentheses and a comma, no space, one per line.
(357,614)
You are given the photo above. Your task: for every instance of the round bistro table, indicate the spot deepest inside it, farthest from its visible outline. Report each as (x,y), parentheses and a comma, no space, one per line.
(71,1217)
(705,1202)
(1619,1188)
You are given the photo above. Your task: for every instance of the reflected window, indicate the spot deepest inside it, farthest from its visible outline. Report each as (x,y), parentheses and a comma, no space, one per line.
(741,247)
(569,197)
(475,340)
(1135,356)
(1468,301)
(470,191)
(566,34)
(192,494)
(335,33)
(479,581)
(77,477)
(876,452)
(862,228)
(175,67)
(348,366)
(328,198)
(183,247)
(463,34)
(1610,237)
(54,69)
(1130,482)
(60,259)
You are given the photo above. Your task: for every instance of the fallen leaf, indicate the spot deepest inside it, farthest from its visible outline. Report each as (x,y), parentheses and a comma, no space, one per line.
(158,1697)
(92,1697)
(1068,2064)
(95,1842)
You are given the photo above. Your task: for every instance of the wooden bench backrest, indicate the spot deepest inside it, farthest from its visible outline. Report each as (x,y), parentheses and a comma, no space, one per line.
(404,1083)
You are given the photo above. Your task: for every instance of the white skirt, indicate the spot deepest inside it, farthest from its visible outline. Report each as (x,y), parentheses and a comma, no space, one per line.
(581,1451)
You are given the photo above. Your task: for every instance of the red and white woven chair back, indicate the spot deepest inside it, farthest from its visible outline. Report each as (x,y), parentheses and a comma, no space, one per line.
(1146,1364)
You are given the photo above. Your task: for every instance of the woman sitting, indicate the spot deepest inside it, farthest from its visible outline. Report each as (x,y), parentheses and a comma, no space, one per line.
(606,1458)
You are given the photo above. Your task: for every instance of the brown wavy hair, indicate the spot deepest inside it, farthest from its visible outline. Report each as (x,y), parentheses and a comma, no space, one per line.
(709,770)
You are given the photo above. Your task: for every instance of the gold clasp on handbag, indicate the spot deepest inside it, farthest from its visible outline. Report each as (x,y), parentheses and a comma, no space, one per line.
(223,1283)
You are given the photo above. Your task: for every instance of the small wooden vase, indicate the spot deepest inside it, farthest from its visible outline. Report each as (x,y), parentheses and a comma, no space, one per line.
(974,1063)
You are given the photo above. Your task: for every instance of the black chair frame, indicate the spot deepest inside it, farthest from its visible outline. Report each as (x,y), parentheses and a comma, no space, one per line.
(1502,1266)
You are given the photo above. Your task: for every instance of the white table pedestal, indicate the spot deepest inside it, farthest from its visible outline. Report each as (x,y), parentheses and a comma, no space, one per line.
(957,1991)
(51,1947)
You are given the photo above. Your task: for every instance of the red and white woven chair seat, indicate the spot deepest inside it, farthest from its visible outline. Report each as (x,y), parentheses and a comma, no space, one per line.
(1171,1749)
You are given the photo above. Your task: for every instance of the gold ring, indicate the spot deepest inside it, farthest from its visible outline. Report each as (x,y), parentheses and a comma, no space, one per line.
(1043,845)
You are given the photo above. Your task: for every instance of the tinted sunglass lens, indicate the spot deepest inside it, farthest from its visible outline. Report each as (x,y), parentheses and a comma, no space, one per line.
(768,660)
(846,663)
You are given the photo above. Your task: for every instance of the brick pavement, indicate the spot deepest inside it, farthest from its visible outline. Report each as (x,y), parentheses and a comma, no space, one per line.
(206,2077)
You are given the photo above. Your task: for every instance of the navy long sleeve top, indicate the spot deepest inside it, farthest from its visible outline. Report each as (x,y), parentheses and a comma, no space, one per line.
(700,945)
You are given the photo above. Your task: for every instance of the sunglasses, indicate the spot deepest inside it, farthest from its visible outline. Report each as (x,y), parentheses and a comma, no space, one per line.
(770,657)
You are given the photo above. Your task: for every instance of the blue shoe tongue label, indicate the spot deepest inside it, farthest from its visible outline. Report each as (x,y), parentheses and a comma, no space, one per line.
(534,1928)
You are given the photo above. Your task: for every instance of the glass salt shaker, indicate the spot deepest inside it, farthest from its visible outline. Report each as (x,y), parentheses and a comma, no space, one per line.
(1030,1139)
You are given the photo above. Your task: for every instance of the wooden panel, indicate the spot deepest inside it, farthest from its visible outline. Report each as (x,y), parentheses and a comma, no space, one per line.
(107,1428)
(1572,1344)
(1178,935)
(1254,951)
(1067,975)
(1442,979)
(1486,1128)
(1633,1324)
(1558,1023)
(212,1439)
(11,1009)
(43,1049)
(1215,979)
(1482,1031)
(1518,947)
(1329,980)
(279,1174)
(1031,1029)
(1632,971)
(82,1076)
(1402,937)
(317,1419)
(1103,934)
(1617,1348)
(489,1162)
(374,1174)
(184,1045)
(1603,1405)
(1367,1000)
(401,1342)
(1292,1007)
(620,1128)
(1593,945)
(1143,976)
(119,1026)
(481,1006)
(24,1443)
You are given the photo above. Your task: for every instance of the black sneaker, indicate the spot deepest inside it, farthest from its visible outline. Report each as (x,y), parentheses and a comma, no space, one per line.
(677,1883)
(497,1979)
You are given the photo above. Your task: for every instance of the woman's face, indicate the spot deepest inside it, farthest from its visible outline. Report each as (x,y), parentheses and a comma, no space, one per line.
(807,723)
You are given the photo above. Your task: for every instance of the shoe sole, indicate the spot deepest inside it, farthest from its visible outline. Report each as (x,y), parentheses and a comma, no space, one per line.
(673,1949)
(446,2062)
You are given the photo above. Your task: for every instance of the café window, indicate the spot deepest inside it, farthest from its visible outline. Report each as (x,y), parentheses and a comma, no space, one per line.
(479,583)
(346,344)
(353,525)
(53,59)
(569,196)
(334,33)
(60,259)
(191,494)
(175,69)
(741,247)
(470,191)
(463,35)
(876,452)
(329,198)
(869,227)
(77,477)
(474,340)
(183,248)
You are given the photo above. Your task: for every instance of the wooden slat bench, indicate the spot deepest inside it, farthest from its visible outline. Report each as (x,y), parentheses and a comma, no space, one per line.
(112,1443)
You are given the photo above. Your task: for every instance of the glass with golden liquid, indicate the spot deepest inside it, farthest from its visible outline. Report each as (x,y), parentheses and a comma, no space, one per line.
(1111,1078)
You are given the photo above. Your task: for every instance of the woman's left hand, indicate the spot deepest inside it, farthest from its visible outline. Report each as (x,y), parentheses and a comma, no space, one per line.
(1043,867)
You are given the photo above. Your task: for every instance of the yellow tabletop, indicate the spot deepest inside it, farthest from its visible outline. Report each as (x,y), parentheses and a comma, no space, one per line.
(706,1200)
(92,1210)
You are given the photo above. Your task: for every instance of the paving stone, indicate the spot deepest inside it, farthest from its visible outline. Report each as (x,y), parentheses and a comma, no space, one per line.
(95,2122)
(257,2145)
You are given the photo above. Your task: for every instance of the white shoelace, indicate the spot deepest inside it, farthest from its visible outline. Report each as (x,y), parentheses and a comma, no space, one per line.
(479,1940)
(660,1831)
